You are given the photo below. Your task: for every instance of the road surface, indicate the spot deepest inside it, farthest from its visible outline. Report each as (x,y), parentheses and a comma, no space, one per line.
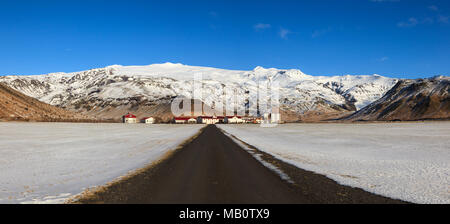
(214,169)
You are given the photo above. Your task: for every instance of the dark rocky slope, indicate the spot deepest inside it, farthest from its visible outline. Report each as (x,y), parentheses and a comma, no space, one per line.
(420,99)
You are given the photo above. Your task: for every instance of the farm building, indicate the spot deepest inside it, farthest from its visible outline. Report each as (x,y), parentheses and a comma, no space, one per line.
(235,120)
(185,120)
(209,120)
(220,119)
(129,118)
(217,119)
(148,120)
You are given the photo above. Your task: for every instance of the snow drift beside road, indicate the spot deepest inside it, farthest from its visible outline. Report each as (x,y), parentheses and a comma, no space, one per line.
(49,162)
(408,161)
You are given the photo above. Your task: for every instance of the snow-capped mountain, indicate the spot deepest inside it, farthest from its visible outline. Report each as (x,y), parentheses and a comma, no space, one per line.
(112,90)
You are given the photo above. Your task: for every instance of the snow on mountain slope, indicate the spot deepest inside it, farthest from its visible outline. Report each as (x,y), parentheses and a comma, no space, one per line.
(103,89)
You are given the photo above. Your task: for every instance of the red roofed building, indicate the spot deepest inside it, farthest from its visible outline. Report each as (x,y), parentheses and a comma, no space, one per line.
(185,120)
(148,120)
(129,118)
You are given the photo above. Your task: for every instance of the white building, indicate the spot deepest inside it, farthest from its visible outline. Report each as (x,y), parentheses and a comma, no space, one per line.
(185,120)
(210,120)
(148,120)
(129,119)
(235,120)
(270,118)
(181,120)
(275,118)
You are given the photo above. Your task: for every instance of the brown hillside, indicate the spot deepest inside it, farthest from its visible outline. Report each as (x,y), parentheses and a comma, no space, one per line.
(408,100)
(15,106)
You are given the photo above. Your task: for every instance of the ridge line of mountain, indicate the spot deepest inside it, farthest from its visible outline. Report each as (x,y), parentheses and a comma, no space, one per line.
(108,93)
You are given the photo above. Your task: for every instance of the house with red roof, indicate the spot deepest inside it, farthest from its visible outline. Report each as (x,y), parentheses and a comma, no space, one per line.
(129,118)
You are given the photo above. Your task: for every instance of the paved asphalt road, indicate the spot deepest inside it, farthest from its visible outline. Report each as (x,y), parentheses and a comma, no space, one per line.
(214,169)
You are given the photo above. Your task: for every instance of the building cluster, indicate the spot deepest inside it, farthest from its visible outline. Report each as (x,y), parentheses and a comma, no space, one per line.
(217,120)
(132,119)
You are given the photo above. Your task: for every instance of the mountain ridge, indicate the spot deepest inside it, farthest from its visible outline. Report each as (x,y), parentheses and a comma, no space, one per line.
(107,92)
(420,99)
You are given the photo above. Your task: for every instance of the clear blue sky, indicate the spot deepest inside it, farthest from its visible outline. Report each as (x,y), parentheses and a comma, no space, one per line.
(396,38)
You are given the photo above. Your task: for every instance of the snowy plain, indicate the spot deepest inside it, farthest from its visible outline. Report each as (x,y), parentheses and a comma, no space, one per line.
(51,162)
(408,161)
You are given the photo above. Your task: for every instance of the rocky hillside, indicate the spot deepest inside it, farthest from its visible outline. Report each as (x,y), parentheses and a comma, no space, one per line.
(15,106)
(419,99)
(148,90)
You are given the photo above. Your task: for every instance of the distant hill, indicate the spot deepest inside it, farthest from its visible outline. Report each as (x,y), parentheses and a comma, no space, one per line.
(420,99)
(15,106)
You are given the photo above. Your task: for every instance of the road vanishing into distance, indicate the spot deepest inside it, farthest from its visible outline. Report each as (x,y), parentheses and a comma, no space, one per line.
(213,169)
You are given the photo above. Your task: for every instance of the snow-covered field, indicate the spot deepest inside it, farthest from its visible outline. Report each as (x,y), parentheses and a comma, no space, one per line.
(408,161)
(50,162)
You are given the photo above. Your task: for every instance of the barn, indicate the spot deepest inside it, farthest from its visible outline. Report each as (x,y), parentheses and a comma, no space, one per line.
(129,119)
